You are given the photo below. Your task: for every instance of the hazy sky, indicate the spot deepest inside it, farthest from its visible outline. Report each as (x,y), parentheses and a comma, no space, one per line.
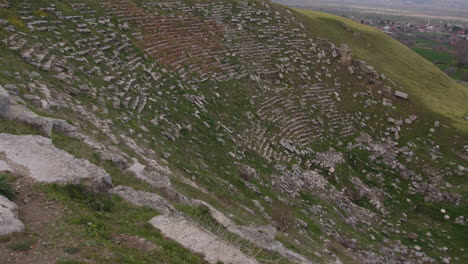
(426,4)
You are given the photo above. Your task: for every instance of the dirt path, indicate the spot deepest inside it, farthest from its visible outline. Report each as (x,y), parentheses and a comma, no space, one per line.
(43,241)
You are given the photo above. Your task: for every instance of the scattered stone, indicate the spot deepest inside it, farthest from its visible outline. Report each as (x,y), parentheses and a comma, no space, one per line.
(413,236)
(248,172)
(401,95)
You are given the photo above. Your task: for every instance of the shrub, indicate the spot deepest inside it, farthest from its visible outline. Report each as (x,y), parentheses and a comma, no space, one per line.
(283,217)
(464,76)
(78,192)
(5,188)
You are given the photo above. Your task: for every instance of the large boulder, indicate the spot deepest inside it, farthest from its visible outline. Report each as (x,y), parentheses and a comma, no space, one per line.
(9,222)
(38,158)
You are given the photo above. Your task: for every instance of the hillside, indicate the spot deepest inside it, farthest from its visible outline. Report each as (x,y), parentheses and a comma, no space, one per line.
(430,86)
(141,131)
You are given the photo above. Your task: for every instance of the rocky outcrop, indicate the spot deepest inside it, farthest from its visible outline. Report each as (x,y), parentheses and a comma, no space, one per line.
(176,226)
(140,198)
(264,237)
(199,240)
(215,214)
(261,236)
(329,159)
(10,108)
(9,222)
(38,158)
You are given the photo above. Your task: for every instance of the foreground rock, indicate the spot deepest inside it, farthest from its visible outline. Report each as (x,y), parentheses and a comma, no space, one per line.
(38,158)
(199,240)
(140,198)
(9,222)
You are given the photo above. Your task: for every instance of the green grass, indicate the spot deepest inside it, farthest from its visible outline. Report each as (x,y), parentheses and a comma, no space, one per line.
(97,201)
(13,18)
(21,245)
(17,128)
(436,57)
(68,261)
(426,85)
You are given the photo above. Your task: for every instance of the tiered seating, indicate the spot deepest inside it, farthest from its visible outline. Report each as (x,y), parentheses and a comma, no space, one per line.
(325,100)
(234,40)
(175,41)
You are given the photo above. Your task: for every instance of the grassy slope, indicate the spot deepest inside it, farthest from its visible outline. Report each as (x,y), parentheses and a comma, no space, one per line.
(424,82)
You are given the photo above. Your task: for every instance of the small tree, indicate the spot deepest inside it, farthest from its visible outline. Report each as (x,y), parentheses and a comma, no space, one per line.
(451,71)
(456,28)
(282,216)
(464,76)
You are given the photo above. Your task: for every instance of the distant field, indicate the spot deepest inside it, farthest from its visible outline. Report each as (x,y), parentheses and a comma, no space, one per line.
(437,57)
(440,53)
(429,43)
(425,83)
